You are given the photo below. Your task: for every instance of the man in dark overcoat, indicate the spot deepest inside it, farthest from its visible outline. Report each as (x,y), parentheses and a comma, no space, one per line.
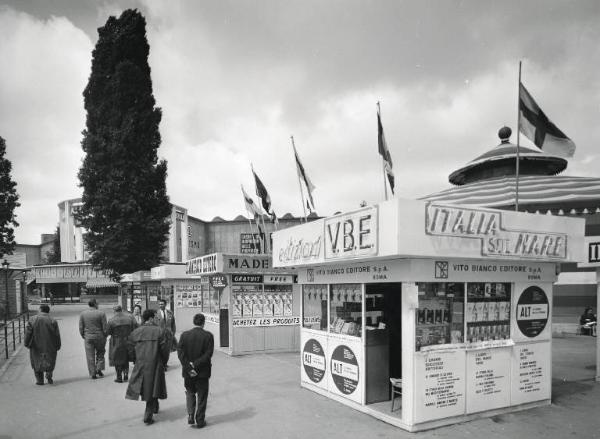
(166,320)
(42,337)
(118,328)
(149,349)
(195,351)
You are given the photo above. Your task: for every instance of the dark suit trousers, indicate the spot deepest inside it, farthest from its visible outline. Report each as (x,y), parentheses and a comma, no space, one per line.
(196,395)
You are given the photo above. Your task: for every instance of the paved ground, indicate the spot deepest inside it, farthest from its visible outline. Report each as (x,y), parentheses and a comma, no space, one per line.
(259,396)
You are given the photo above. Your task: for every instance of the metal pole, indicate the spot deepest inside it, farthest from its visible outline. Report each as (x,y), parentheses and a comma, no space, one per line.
(19,329)
(13,328)
(518,140)
(6,341)
(5,264)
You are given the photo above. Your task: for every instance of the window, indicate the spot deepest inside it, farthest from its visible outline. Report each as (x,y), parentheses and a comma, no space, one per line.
(346,309)
(439,317)
(314,306)
(488,311)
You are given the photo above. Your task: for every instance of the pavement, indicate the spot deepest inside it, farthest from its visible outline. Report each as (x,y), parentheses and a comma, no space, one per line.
(259,396)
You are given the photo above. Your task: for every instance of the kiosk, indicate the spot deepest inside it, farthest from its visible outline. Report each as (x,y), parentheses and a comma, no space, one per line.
(444,307)
(249,306)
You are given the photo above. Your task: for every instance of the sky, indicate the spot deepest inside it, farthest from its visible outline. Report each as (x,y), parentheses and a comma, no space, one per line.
(235,79)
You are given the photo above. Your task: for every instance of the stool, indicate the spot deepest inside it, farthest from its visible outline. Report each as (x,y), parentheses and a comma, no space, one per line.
(396,390)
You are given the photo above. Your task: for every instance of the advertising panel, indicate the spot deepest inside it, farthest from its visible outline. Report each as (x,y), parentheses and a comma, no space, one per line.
(314,362)
(531,369)
(488,379)
(440,378)
(351,235)
(345,365)
(532,307)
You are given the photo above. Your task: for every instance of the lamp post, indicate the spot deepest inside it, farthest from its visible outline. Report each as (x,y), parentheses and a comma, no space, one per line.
(5,265)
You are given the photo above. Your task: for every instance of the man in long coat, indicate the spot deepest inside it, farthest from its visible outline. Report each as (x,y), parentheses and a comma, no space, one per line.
(92,327)
(42,337)
(149,347)
(118,328)
(166,320)
(195,351)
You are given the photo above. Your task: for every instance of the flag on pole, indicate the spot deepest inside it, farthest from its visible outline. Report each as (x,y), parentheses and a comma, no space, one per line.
(536,126)
(261,192)
(385,153)
(251,207)
(310,187)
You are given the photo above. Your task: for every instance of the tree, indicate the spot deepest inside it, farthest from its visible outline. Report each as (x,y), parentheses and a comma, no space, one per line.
(8,203)
(53,255)
(125,209)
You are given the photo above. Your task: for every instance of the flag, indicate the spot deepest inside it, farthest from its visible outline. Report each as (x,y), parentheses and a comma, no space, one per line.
(303,177)
(251,207)
(536,126)
(274,219)
(261,192)
(385,153)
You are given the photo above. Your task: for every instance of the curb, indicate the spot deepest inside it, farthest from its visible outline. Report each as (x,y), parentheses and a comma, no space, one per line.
(10,359)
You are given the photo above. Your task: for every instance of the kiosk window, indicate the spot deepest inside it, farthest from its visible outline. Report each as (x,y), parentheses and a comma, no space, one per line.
(346,309)
(314,307)
(439,317)
(488,311)
(277,300)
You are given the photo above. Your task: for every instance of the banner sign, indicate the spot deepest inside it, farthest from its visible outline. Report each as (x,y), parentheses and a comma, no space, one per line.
(250,243)
(247,278)
(271,321)
(496,241)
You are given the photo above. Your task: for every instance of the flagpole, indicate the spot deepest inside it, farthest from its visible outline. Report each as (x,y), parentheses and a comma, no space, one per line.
(299,182)
(518,142)
(382,159)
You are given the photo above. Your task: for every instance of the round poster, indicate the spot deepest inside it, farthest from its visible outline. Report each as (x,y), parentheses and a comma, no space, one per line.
(313,359)
(344,369)
(532,311)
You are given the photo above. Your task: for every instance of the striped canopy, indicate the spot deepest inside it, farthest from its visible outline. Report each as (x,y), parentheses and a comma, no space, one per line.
(557,193)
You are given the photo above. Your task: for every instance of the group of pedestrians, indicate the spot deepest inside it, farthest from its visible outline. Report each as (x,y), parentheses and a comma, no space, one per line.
(145,339)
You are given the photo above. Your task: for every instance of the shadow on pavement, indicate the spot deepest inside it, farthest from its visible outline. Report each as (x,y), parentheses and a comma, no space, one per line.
(562,388)
(246,413)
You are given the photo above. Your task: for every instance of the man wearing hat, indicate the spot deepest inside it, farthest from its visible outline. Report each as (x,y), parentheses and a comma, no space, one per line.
(92,327)
(119,327)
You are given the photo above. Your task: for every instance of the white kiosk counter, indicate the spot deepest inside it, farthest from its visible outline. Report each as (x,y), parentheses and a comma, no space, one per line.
(249,306)
(451,303)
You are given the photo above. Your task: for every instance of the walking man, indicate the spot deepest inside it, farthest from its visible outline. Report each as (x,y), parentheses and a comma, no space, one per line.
(42,337)
(195,351)
(119,328)
(166,320)
(149,349)
(92,327)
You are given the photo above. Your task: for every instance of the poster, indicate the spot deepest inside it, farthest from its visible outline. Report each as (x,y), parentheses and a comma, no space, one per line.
(345,368)
(531,313)
(531,368)
(440,376)
(488,379)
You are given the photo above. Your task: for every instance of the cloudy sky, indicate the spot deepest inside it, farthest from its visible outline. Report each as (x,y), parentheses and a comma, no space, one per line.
(235,79)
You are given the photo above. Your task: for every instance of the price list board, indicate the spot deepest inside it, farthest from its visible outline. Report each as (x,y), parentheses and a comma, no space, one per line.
(440,380)
(531,380)
(488,379)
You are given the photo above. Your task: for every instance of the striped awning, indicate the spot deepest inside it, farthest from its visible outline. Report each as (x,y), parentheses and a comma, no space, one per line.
(101,282)
(552,191)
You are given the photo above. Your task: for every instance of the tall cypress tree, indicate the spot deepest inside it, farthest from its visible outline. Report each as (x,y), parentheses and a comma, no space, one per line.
(125,204)
(8,203)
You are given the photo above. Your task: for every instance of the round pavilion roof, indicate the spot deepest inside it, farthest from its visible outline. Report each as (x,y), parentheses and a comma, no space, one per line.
(501,161)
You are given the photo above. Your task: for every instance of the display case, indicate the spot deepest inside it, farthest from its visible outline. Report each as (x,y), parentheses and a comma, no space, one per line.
(488,311)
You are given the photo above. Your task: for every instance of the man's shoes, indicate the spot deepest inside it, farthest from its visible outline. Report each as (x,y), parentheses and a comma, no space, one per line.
(39,383)
(93,377)
(191,420)
(201,425)
(49,379)
(118,380)
(149,421)
(100,374)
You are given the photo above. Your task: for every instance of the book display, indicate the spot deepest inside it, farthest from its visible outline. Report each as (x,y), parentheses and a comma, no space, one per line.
(346,309)
(439,317)
(488,311)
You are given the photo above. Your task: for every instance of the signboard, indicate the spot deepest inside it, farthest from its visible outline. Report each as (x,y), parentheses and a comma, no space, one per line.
(250,243)
(67,273)
(298,245)
(440,378)
(266,321)
(346,375)
(278,279)
(531,366)
(532,311)
(217,281)
(592,252)
(351,235)
(202,265)
(247,278)
(488,379)
(496,241)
